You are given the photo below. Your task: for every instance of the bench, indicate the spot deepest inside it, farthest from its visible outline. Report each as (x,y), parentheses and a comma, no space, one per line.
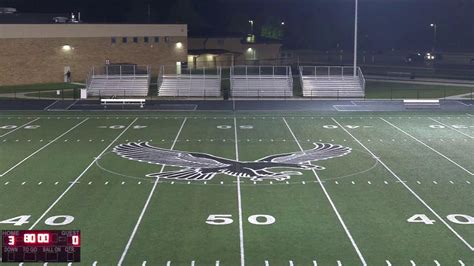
(421,103)
(106,102)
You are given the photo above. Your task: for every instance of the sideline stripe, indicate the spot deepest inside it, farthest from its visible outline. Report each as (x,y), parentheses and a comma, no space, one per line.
(80,176)
(361,257)
(40,149)
(424,144)
(135,229)
(18,128)
(467,135)
(239,199)
(407,187)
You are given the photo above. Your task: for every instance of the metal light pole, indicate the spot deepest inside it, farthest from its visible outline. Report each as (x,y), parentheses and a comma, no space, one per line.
(251,26)
(356,20)
(435,37)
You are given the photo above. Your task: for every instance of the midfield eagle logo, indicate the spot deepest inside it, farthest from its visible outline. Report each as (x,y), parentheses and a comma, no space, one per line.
(201,166)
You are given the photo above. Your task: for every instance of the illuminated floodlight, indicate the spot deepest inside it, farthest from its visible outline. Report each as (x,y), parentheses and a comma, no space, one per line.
(66,48)
(179,45)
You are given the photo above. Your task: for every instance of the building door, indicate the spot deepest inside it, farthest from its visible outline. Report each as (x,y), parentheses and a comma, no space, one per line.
(67,78)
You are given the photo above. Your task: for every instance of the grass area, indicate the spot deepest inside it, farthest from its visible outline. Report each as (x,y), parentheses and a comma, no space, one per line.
(38,87)
(400,190)
(66,94)
(391,90)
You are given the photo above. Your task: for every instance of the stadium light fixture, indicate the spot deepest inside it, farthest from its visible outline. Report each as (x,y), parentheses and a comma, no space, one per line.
(283,23)
(66,48)
(251,26)
(179,45)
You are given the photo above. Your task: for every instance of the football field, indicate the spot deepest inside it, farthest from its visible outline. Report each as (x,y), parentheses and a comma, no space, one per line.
(195,188)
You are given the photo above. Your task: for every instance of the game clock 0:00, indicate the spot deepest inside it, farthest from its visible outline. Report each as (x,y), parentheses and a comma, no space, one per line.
(41,246)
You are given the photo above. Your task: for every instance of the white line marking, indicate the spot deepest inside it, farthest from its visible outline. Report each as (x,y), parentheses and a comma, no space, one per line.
(330,201)
(43,147)
(239,199)
(437,263)
(315,263)
(168,263)
(80,176)
(467,135)
(193,263)
(461,263)
(412,263)
(291,263)
(47,107)
(409,189)
(266,263)
(339,263)
(18,128)
(388,263)
(421,142)
(95,263)
(218,263)
(67,108)
(150,195)
(144,263)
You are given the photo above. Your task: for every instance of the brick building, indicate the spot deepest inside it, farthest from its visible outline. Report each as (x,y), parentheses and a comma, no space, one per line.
(41,53)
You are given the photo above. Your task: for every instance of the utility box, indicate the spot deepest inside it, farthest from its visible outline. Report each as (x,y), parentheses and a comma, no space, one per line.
(83,93)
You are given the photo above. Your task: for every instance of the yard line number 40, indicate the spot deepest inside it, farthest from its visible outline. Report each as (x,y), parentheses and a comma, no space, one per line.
(454,218)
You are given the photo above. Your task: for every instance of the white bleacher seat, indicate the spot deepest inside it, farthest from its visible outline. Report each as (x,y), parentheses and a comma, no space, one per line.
(177,85)
(338,85)
(421,103)
(261,81)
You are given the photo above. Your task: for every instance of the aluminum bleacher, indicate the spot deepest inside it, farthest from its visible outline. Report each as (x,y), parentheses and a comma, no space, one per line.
(180,82)
(118,81)
(261,81)
(332,82)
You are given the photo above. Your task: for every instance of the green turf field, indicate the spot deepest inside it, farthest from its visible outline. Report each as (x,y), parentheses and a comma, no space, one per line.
(404,195)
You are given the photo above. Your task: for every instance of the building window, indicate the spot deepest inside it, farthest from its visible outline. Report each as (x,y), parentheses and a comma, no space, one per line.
(167,39)
(145,39)
(157,39)
(124,40)
(113,40)
(135,39)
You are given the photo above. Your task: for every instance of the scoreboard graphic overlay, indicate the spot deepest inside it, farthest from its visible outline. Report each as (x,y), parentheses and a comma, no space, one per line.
(41,246)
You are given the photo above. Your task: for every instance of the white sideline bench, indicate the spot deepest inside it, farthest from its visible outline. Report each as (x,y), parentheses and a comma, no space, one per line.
(141,102)
(421,103)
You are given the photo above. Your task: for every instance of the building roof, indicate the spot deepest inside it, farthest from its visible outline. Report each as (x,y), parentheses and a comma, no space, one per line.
(90,30)
(30,18)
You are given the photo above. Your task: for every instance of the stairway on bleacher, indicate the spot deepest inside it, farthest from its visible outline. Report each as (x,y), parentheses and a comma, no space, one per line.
(332,85)
(261,81)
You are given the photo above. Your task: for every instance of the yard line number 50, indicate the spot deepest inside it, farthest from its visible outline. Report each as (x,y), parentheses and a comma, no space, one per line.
(223,219)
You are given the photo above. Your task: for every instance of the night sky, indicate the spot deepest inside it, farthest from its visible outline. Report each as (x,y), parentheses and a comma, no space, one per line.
(315,24)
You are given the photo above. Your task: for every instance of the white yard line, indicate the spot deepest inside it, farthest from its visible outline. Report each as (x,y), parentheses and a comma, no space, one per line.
(67,108)
(145,207)
(43,147)
(426,145)
(18,128)
(407,187)
(467,135)
(239,199)
(82,174)
(47,107)
(349,235)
